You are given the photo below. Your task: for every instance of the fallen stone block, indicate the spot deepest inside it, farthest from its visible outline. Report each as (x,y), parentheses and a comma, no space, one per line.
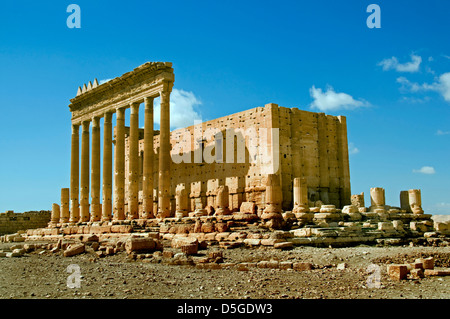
(416,273)
(437,272)
(177,242)
(301,266)
(189,249)
(252,242)
(397,272)
(140,245)
(73,250)
(427,263)
(270,241)
(285,265)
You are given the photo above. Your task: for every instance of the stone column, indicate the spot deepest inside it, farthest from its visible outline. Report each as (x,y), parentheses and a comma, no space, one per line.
(95,171)
(84,200)
(64,218)
(272,212)
(222,201)
(75,175)
(181,199)
(133,163)
(119,166)
(301,204)
(107,168)
(164,157)
(377,198)
(415,201)
(55,215)
(147,184)
(404,201)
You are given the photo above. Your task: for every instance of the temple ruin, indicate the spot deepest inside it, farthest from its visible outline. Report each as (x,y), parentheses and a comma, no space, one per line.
(229,180)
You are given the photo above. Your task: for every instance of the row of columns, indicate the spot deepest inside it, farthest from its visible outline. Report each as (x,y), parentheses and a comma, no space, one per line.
(83,182)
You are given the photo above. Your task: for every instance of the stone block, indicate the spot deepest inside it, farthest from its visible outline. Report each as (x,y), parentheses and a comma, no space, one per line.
(270,241)
(416,273)
(73,250)
(385,226)
(302,232)
(301,266)
(189,249)
(252,242)
(427,263)
(285,265)
(140,245)
(342,266)
(437,272)
(397,272)
(177,242)
(248,208)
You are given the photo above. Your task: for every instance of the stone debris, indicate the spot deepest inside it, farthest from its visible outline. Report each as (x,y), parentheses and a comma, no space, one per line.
(74,249)
(418,269)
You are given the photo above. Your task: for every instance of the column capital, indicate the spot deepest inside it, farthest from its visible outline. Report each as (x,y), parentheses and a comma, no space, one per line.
(95,121)
(107,116)
(134,107)
(85,125)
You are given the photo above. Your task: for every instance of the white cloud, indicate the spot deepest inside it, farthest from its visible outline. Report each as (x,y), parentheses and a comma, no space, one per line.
(352,149)
(440,132)
(392,63)
(425,170)
(441,85)
(182,109)
(332,101)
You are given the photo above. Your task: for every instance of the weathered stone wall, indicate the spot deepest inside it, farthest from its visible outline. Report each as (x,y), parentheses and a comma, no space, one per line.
(311,145)
(11,222)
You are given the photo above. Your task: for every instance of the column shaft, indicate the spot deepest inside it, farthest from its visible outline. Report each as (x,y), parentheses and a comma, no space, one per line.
(119,166)
(147,185)
(75,175)
(95,171)
(84,200)
(107,168)
(133,163)
(164,157)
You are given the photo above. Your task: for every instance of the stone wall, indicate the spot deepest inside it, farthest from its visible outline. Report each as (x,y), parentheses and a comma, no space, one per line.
(311,145)
(11,222)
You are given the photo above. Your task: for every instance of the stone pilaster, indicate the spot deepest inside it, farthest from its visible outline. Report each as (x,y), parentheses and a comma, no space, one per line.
(147,183)
(181,199)
(84,184)
(164,157)
(75,175)
(95,171)
(107,168)
(119,166)
(64,217)
(133,163)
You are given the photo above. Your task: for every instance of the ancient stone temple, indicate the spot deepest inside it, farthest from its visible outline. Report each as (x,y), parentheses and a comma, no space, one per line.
(209,166)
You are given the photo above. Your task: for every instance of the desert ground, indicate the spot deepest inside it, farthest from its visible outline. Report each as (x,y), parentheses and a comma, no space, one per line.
(44,275)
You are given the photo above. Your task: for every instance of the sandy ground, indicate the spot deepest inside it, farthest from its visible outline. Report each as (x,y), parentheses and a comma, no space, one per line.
(46,276)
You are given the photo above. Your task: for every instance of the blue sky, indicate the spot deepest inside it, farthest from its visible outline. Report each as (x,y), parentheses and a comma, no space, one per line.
(392,83)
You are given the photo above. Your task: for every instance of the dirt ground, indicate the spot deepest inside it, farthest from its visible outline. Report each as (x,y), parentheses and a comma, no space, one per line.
(45,276)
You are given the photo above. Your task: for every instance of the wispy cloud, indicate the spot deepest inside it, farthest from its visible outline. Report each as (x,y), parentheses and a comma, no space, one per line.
(441,85)
(394,64)
(425,170)
(332,101)
(183,111)
(440,132)
(352,149)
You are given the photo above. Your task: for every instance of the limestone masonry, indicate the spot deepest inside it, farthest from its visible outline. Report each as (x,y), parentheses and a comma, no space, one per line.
(233,180)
